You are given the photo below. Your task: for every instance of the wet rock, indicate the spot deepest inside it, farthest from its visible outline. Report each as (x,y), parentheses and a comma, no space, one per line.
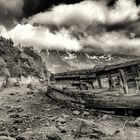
(54,136)
(25,136)
(76,112)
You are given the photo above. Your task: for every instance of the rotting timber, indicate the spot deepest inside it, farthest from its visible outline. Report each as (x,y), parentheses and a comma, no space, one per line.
(110,87)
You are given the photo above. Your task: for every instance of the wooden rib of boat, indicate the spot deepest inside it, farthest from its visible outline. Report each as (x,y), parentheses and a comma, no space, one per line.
(110,87)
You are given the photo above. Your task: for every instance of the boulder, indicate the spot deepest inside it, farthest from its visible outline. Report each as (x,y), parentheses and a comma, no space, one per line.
(54,136)
(6,138)
(28,135)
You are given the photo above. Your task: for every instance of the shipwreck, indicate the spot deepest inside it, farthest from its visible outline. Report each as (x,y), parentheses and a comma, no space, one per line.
(108,87)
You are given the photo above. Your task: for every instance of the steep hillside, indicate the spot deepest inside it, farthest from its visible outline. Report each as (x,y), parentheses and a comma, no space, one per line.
(17,61)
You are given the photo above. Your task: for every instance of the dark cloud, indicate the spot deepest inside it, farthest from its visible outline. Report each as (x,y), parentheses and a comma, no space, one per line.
(32,7)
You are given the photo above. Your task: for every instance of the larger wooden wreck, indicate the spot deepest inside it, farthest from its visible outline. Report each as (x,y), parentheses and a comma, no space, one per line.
(109,87)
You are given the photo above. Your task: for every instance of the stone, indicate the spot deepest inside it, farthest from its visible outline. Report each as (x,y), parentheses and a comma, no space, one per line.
(14,115)
(61,120)
(30,86)
(86,113)
(136,122)
(4,133)
(62,129)
(91,129)
(65,116)
(28,135)
(6,138)
(76,112)
(52,118)
(54,136)
(17,121)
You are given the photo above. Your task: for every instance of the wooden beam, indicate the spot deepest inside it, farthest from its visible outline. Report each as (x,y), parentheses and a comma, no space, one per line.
(99,81)
(136,73)
(111,82)
(123,81)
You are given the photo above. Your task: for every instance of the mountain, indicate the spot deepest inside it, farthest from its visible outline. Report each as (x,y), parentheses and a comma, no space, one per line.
(63,60)
(20,61)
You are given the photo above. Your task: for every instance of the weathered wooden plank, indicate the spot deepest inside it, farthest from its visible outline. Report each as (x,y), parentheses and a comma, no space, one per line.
(111,82)
(94,100)
(123,81)
(99,81)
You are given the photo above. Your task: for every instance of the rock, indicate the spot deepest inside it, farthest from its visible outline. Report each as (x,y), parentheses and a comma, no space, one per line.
(17,121)
(62,129)
(54,136)
(52,118)
(86,113)
(47,124)
(137,122)
(17,100)
(30,93)
(65,116)
(15,115)
(12,94)
(28,135)
(37,117)
(15,109)
(30,86)
(4,133)
(91,129)
(76,112)
(61,120)
(6,138)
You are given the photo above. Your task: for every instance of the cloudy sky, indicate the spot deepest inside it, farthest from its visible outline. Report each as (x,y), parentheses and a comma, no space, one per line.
(90,25)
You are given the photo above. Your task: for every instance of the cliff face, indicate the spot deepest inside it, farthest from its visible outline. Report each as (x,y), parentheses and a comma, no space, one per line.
(17,61)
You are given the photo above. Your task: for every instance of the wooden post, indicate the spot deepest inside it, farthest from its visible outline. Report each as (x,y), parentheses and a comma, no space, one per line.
(123,81)
(111,82)
(99,82)
(136,73)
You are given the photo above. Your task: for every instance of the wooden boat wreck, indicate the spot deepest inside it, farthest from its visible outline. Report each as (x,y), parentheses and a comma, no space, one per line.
(109,87)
